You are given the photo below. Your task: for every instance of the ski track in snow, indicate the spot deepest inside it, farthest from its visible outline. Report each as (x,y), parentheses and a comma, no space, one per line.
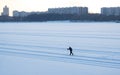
(117,36)
(16,43)
(90,60)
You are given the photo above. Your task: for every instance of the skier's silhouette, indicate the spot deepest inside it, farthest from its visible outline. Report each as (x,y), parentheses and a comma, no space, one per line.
(70,48)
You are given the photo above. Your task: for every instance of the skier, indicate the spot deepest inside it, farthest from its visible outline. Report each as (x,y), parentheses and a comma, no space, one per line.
(70,48)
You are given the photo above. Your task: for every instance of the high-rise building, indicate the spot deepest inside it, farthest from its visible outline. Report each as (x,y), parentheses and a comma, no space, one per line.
(24,14)
(20,14)
(5,11)
(69,10)
(110,11)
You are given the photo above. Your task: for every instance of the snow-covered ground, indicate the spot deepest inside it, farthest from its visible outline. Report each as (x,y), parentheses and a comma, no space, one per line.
(40,48)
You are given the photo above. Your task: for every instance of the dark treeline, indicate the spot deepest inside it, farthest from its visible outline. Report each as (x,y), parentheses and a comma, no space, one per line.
(59,17)
(6,19)
(48,17)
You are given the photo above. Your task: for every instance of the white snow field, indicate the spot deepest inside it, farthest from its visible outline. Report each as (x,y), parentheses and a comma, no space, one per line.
(41,48)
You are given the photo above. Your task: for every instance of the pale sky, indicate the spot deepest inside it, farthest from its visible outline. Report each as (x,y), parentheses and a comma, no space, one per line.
(42,5)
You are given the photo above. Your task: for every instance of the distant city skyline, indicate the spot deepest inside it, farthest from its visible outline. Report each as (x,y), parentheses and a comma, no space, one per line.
(42,5)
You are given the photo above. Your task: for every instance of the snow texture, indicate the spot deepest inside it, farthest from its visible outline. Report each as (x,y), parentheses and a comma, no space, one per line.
(41,48)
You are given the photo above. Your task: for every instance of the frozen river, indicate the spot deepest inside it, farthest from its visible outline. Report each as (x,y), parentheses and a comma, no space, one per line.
(94,44)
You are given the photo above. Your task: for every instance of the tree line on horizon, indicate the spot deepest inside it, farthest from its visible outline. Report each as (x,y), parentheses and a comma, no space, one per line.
(59,17)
